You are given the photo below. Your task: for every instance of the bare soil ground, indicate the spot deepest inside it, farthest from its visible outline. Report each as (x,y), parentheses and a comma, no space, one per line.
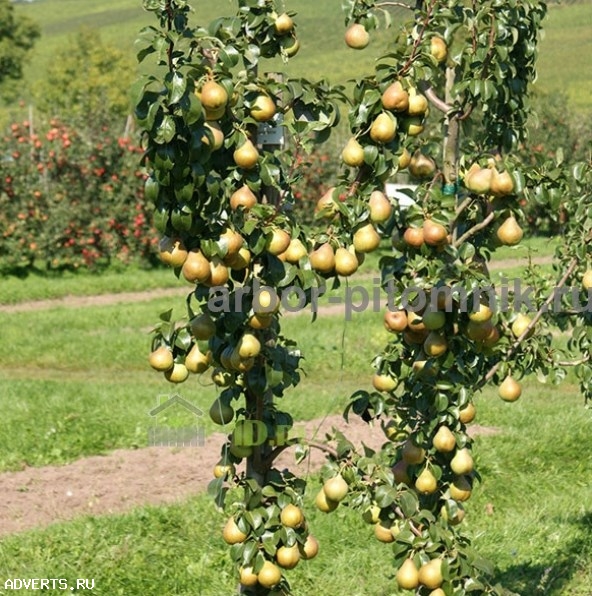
(124,479)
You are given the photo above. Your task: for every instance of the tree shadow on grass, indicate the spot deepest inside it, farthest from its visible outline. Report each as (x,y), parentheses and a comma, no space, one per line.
(538,579)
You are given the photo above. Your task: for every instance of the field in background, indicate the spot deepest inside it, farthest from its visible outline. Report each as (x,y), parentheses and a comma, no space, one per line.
(563,62)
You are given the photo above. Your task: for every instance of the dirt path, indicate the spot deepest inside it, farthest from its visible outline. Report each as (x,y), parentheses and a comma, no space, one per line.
(115,483)
(146,296)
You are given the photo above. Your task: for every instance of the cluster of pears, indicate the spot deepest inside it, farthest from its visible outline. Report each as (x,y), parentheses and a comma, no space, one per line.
(409,576)
(489,181)
(162,359)
(287,556)
(197,268)
(283,27)
(345,260)
(404,110)
(429,233)
(415,470)
(333,491)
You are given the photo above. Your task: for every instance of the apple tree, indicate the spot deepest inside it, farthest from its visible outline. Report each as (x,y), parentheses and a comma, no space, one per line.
(448,102)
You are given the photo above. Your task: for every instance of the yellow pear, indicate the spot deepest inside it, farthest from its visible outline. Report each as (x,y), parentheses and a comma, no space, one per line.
(383,129)
(324,504)
(395,98)
(263,108)
(510,389)
(502,184)
(434,234)
(336,488)
(412,454)
(384,383)
(426,482)
(430,574)
(161,359)
(196,267)
(380,207)
(482,314)
(269,575)
(295,251)
(444,440)
(278,241)
(478,179)
(413,126)
(521,324)
(247,576)
(326,206)
(283,24)
(587,279)
(249,346)
(246,156)
(438,48)
(217,135)
(366,238)
(232,534)
(435,344)
(460,489)
(421,166)
(232,239)
(510,233)
(310,548)
(322,259)
(243,197)
(213,96)
(291,516)
(196,361)
(357,37)
(346,263)
(418,104)
(467,414)
(288,556)
(462,462)
(404,159)
(353,153)
(383,534)
(172,251)
(407,575)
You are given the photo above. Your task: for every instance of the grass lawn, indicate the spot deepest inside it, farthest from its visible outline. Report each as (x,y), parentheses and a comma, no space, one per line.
(537,527)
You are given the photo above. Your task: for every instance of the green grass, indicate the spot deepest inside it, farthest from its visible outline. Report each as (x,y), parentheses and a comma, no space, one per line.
(47,286)
(76,382)
(536,487)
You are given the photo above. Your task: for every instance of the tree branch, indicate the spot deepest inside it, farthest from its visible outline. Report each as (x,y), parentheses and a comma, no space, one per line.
(542,310)
(279,450)
(399,4)
(427,89)
(475,229)
(412,527)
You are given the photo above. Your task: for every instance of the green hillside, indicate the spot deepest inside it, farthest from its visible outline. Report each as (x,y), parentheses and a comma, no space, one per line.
(563,57)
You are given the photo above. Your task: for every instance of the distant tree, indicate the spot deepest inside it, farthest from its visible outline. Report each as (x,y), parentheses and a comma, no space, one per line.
(17,36)
(88,81)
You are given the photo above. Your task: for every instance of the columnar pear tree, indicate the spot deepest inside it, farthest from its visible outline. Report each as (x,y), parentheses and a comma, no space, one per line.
(447,102)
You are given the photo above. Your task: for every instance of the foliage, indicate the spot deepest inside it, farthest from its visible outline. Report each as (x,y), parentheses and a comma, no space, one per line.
(86,83)
(67,203)
(224,207)
(17,38)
